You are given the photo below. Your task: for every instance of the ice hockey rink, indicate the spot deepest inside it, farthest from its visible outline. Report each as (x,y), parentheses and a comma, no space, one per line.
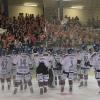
(89,93)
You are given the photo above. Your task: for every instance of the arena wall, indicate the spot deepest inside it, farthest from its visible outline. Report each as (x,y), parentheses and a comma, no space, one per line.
(83,14)
(15,10)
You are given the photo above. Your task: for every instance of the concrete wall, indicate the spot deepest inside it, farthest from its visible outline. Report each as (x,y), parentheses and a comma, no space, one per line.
(84,14)
(15,10)
(51,8)
(97,12)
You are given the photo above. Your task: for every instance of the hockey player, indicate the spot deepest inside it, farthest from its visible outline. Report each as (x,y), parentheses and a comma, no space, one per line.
(57,68)
(85,68)
(68,66)
(13,69)
(30,67)
(35,59)
(51,70)
(23,62)
(5,69)
(79,64)
(96,65)
(43,63)
(31,58)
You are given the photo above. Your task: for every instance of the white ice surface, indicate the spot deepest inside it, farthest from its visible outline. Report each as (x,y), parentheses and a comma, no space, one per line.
(89,93)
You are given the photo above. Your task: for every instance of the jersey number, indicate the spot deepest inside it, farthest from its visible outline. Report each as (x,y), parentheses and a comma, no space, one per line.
(23,63)
(4,64)
(85,58)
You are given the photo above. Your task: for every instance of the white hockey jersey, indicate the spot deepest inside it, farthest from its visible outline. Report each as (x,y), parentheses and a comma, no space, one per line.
(57,59)
(13,57)
(69,63)
(35,57)
(45,59)
(85,58)
(79,56)
(96,61)
(23,63)
(5,64)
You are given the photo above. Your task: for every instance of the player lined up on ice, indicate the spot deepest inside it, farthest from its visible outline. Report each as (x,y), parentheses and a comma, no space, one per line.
(23,73)
(49,68)
(5,69)
(84,64)
(96,63)
(71,63)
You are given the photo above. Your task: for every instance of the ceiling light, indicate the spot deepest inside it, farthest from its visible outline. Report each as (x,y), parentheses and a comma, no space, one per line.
(30,4)
(66,0)
(77,7)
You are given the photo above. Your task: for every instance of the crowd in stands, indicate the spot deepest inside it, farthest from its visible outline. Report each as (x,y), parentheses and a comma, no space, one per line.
(21,29)
(30,29)
(72,32)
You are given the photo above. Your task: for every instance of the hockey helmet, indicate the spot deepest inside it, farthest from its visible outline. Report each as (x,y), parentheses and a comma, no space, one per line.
(15,51)
(70,50)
